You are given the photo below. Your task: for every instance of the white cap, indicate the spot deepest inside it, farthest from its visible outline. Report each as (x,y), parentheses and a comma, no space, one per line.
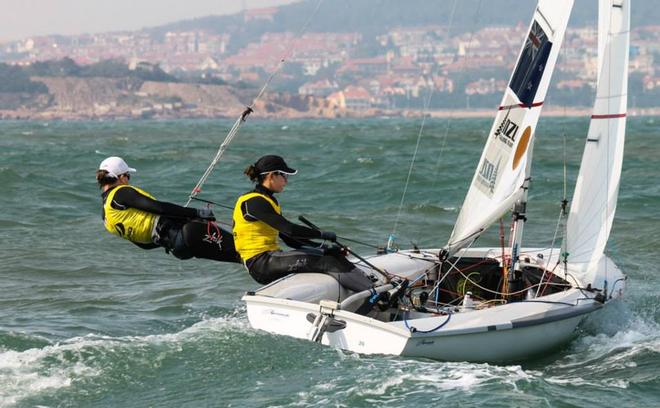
(115,166)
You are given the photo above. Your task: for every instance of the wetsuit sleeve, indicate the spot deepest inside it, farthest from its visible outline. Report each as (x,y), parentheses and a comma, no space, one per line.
(130,198)
(257,208)
(297,242)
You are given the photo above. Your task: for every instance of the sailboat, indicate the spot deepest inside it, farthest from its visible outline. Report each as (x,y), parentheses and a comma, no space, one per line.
(498,304)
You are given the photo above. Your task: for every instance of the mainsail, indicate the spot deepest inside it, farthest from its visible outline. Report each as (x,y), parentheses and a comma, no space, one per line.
(499,177)
(597,188)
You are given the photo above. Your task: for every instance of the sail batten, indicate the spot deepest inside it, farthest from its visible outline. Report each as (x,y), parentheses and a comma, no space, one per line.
(499,179)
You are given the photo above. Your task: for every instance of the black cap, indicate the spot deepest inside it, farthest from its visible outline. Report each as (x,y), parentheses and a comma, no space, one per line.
(270,163)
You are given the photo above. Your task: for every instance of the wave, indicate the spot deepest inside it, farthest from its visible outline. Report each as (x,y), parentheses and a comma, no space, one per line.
(103,360)
(617,351)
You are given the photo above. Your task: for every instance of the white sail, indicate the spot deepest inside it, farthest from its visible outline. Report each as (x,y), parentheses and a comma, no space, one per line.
(597,188)
(604,12)
(499,177)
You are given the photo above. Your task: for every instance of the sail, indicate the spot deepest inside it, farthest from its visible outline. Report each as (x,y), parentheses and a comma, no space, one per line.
(597,187)
(604,13)
(498,179)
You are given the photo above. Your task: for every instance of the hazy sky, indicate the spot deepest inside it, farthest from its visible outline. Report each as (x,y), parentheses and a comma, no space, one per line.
(24,18)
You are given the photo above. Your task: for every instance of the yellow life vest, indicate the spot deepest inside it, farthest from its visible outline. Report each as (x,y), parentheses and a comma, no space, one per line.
(252,238)
(131,224)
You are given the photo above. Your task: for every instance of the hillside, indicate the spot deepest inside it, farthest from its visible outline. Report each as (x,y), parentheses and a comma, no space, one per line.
(128,98)
(374,17)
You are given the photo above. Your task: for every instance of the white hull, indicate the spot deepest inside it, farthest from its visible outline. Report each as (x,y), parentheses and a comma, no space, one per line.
(503,333)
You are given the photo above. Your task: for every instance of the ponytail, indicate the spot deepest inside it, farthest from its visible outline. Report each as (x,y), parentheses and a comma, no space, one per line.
(253,174)
(103,178)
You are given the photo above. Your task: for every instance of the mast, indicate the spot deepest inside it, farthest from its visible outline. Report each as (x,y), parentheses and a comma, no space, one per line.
(518,219)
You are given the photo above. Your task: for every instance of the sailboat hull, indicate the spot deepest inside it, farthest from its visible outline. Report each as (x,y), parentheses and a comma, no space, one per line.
(461,340)
(505,333)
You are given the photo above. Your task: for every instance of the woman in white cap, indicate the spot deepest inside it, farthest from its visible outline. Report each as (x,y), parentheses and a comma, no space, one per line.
(133,214)
(258,222)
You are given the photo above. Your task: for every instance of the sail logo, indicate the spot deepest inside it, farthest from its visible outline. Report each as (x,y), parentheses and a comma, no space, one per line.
(507,131)
(522,147)
(213,238)
(488,175)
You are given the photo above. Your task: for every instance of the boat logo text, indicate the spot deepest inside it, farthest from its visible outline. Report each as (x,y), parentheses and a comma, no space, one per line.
(488,174)
(507,131)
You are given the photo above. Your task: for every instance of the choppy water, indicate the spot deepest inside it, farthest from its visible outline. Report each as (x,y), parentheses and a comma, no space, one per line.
(88,320)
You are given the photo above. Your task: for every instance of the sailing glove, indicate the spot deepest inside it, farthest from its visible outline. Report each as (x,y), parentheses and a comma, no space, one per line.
(335,250)
(328,236)
(205,214)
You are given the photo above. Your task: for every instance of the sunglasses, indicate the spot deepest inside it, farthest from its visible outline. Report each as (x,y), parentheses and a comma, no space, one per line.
(279,173)
(127,175)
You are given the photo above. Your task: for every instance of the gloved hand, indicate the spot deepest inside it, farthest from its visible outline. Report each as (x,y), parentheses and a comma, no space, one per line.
(205,214)
(335,250)
(328,236)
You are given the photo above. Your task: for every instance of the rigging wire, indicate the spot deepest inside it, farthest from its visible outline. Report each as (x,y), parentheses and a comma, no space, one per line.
(564,202)
(436,168)
(427,103)
(248,110)
(563,215)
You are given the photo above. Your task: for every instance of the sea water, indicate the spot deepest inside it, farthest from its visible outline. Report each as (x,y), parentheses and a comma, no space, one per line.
(90,320)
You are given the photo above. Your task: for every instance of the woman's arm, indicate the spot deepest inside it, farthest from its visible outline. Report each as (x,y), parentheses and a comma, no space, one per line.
(257,208)
(131,198)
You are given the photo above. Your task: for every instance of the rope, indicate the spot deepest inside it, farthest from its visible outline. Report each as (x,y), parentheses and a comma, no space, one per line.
(427,102)
(495,292)
(248,110)
(552,248)
(412,329)
(562,217)
(436,168)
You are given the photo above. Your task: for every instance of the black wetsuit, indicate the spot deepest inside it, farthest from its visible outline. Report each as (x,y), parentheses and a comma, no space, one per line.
(307,255)
(178,230)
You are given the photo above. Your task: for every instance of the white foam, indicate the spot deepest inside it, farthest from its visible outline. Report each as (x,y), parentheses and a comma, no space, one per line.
(30,372)
(608,356)
(409,375)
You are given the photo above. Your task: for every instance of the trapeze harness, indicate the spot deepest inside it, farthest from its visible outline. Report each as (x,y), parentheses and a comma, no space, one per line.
(133,214)
(258,221)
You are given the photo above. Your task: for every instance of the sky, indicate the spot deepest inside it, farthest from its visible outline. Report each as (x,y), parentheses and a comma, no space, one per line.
(21,19)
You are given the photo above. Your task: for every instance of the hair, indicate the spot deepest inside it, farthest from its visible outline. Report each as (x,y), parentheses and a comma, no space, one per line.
(253,174)
(103,178)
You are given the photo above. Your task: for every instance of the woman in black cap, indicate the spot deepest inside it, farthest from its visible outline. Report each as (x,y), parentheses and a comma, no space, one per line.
(258,222)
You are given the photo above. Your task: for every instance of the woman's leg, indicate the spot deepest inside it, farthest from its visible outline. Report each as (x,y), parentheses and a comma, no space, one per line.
(207,240)
(270,266)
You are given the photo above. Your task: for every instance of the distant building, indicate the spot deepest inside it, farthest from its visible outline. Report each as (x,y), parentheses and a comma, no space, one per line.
(443,84)
(485,87)
(336,100)
(357,98)
(404,66)
(650,83)
(376,65)
(572,84)
(320,88)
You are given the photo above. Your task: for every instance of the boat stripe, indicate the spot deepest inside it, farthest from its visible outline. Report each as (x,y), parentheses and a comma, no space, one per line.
(520,105)
(610,116)
(578,311)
